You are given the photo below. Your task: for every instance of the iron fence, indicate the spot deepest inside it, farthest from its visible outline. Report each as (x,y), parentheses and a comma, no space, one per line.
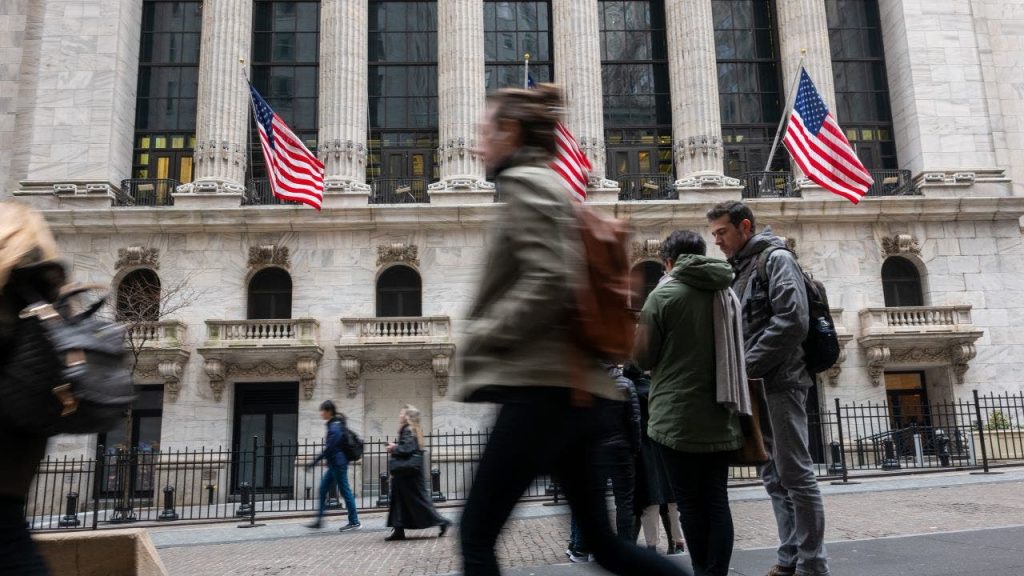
(892,183)
(117,486)
(259,193)
(399,191)
(769,185)
(146,192)
(640,187)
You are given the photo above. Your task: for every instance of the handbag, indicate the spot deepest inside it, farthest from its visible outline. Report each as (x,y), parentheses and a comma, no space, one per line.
(753,452)
(406,465)
(65,371)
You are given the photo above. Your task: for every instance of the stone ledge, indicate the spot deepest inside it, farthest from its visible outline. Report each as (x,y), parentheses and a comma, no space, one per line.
(100,553)
(173,219)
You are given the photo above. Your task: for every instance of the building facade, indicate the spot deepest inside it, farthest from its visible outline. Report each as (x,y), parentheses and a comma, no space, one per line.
(127,122)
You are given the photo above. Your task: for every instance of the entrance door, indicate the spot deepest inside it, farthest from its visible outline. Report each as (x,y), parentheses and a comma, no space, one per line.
(268,412)
(130,449)
(908,408)
(406,175)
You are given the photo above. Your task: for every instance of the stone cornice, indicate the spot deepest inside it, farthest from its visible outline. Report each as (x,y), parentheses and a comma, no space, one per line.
(642,214)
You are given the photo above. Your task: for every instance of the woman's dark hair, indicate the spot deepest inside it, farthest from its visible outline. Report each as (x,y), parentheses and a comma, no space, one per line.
(329,406)
(682,242)
(536,110)
(737,211)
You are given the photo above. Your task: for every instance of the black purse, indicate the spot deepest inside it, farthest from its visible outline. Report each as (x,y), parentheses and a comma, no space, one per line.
(406,465)
(65,372)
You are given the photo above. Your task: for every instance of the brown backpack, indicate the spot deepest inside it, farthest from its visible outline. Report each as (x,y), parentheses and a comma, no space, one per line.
(604,325)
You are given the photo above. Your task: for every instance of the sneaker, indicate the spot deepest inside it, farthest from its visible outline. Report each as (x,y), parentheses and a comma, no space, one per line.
(578,557)
(676,548)
(778,570)
(315,525)
(397,534)
(350,526)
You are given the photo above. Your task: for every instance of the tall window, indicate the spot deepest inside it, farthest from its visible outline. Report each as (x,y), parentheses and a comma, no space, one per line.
(634,77)
(862,87)
(285,69)
(270,295)
(901,283)
(399,293)
(138,297)
(403,138)
(512,30)
(165,104)
(749,77)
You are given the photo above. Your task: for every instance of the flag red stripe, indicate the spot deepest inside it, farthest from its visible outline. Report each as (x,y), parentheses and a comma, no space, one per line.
(826,153)
(817,172)
(834,134)
(817,160)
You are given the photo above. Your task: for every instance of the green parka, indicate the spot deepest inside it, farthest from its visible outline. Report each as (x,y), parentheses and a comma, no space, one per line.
(676,342)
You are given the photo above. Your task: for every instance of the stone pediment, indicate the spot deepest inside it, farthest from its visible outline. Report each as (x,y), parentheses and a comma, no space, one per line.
(918,336)
(421,344)
(260,350)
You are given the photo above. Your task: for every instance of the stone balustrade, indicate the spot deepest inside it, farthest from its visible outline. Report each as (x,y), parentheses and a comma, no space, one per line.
(288,332)
(406,330)
(162,334)
(915,318)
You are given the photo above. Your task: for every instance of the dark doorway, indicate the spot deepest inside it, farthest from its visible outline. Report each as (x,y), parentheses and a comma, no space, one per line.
(130,448)
(270,413)
(399,293)
(908,409)
(643,280)
(270,295)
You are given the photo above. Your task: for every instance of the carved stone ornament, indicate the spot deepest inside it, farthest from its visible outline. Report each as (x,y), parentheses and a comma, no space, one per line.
(647,250)
(398,253)
(878,357)
(708,181)
(351,368)
(833,373)
(441,365)
(307,367)
(216,371)
(900,244)
(958,356)
(269,255)
(171,371)
(135,256)
(398,366)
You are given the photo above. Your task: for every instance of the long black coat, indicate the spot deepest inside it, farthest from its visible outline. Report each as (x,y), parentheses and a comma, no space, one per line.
(653,485)
(411,507)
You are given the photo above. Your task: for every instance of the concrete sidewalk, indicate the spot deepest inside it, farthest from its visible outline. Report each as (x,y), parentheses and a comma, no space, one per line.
(996,551)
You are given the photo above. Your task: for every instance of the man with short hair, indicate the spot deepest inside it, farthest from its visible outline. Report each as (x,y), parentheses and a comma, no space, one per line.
(775,319)
(337,467)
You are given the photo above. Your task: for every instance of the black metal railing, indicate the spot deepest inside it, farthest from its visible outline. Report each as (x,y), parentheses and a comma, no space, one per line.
(117,486)
(892,183)
(399,191)
(146,192)
(769,185)
(259,193)
(640,187)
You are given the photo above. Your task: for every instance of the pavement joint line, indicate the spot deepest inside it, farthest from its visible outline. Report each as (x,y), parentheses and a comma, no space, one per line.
(899,536)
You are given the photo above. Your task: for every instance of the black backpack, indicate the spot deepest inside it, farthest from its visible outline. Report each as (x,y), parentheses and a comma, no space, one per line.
(65,371)
(821,346)
(353,446)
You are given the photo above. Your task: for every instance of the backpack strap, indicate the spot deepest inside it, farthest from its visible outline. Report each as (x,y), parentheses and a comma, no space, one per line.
(762,261)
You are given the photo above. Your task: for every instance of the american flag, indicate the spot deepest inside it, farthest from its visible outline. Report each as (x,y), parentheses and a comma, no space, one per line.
(295,174)
(570,162)
(820,148)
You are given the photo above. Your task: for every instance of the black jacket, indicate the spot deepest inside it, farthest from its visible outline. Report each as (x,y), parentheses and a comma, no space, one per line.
(623,415)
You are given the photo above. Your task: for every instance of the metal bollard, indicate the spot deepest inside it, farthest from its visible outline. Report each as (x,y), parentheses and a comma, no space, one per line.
(435,486)
(209,494)
(384,499)
(890,462)
(168,513)
(70,519)
(838,464)
(556,490)
(942,447)
(246,507)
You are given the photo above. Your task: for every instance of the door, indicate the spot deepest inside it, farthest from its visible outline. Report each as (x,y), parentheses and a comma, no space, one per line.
(405,176)
(131,448)
(908,409)
(269,413)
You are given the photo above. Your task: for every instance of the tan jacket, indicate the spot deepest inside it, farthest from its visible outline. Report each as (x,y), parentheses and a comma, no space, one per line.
(517,333)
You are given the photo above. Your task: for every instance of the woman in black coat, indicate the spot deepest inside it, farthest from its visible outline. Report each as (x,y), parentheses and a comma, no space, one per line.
(411,507)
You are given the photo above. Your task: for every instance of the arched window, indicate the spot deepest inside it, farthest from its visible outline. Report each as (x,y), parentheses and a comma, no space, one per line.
(399,293)
(138,297)
(901,283)
(270,295)
(644,279)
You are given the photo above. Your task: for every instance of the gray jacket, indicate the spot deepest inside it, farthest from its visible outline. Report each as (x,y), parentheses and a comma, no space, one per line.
(775,314)
(517,333)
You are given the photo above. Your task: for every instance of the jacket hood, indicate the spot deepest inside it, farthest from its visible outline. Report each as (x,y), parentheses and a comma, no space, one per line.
(759,242)
(703,272)
(526,156)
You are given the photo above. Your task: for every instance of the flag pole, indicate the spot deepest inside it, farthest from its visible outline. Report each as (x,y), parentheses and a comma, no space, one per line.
(252,109)
(790,101)
(526,71)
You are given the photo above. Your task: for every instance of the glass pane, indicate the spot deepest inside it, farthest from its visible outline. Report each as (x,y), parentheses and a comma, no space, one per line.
(251,425)
(163,167)
(418,166)
(185,171)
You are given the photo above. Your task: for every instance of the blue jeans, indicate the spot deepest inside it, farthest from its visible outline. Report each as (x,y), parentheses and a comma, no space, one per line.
(338,474)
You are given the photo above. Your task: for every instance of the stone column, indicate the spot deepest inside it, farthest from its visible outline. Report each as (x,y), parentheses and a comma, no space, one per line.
(343,100)
(803,25)
(222,119)
(696,117)
(578,70)
(460,100)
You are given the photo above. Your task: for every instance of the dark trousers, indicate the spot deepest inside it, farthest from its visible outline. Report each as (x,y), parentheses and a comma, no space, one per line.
(18,556)
(617,464)
(529,439)
(699,483)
